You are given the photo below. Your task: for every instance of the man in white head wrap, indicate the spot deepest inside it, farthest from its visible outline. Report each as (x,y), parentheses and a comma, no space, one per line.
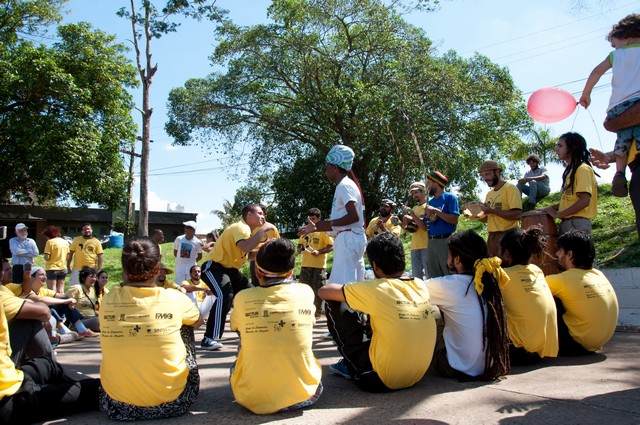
(346,220)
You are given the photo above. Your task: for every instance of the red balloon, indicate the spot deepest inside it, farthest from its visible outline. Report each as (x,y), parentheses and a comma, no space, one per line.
(550,104)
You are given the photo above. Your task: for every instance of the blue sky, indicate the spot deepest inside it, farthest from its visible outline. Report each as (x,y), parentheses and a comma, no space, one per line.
(542,43)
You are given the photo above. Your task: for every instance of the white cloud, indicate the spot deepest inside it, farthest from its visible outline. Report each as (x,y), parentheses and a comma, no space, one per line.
(156,203)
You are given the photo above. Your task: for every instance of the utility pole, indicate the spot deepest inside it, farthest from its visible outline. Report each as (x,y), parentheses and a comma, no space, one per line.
(132,155)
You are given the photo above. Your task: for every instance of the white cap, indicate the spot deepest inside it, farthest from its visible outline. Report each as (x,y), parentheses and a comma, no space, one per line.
(190,223)
(21,226)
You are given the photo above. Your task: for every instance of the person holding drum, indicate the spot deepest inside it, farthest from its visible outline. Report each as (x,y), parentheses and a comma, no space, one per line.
(442,212)
(502,206)
(419,238)
(385,221)
(579,200)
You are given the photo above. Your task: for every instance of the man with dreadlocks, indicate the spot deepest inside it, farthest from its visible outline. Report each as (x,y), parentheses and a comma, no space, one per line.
(474,344)
(579,201)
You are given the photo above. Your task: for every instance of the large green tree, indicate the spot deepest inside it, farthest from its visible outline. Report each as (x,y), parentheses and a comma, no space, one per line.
(64,112)
(352,72)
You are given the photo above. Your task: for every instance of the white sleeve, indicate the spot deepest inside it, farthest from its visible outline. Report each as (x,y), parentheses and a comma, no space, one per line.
(350,194)
(437,292)
(176,244)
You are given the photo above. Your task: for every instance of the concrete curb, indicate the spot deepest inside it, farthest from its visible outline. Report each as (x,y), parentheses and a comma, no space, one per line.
(626,283)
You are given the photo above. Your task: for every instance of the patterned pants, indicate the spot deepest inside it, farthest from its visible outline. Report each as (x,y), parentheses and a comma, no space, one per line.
(119,411)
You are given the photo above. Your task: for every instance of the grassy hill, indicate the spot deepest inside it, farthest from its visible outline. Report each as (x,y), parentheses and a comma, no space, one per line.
(616,240)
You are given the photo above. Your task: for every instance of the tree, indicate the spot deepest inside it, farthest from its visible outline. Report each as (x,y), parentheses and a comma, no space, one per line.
(540,142)
(148,23)
(352,72)
(245,195)
(64,111)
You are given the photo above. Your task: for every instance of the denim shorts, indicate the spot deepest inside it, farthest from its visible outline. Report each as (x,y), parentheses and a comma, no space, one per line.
(627,135)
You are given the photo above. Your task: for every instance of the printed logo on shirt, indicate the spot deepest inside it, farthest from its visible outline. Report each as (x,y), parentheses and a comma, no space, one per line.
(164,315)
(185,250)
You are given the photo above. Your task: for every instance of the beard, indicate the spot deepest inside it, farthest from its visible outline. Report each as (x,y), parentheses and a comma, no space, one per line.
(432,192)
(493,182)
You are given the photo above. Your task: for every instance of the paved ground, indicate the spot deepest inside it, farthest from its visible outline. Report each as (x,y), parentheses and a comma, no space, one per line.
(601,389)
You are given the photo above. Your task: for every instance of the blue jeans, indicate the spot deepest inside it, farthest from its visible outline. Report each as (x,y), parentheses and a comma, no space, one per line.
(419,263)
(534,190)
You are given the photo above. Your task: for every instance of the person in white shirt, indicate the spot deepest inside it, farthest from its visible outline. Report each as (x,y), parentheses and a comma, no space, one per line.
(23,251)
(475,342)
(346,220)
(187,249)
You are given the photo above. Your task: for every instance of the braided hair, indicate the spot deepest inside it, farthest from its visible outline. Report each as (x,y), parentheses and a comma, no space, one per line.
(577,146)
(469,247)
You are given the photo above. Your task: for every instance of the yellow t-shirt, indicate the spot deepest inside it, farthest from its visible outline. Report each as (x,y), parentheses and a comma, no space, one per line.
(317,241)
(10,377)
(506,198)
(276,367)
(11,303)
(591,305)
(199,295)
(633,152)
(420,239)
(226,251)
(16,289)
(55,254)
(585,181)
(168,284)
(392,225)
(85,252)
(403,325)
(86,299)
(143,355)
(530,310)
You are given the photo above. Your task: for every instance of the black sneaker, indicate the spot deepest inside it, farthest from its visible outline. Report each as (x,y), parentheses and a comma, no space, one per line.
(340,368)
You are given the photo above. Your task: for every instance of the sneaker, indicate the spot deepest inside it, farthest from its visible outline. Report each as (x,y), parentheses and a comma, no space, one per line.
(88,334)
(327,335)
(68,337)
(619,185)
(210,344)
(340,368)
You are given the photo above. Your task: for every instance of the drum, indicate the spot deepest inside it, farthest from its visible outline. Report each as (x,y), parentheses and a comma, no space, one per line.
(539,218)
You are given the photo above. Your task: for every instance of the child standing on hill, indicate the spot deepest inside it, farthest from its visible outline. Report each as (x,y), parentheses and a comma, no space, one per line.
(625,90)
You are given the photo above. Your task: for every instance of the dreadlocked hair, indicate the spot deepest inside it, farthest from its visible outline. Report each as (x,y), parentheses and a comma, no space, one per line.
(577,146)
(523,244)
(469,247)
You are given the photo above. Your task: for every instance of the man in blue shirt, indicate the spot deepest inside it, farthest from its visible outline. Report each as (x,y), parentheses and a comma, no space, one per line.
(441,219)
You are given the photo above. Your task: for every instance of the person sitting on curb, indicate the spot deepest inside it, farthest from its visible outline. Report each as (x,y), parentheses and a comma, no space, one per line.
(279,313)
(535,183)
(403,327)
(585,300)
(474,344)
(528,302)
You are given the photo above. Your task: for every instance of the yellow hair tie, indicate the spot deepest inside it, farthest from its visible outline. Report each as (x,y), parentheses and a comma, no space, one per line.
(491,266)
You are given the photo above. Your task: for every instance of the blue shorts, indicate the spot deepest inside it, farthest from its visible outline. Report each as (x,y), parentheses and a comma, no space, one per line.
(627,135)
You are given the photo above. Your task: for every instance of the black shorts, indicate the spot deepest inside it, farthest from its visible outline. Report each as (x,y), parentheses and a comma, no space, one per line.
(56,274)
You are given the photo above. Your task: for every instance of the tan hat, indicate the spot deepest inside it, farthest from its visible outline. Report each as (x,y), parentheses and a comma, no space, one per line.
(417,186)
(490,165)
(166,269)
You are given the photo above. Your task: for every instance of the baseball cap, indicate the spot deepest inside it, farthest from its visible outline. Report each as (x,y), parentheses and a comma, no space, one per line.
(417,186)
(21,226)
(190,223)
(438,177)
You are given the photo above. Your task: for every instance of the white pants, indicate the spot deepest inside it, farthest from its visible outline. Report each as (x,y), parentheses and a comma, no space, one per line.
(348,261)
(182,272)
(204,306)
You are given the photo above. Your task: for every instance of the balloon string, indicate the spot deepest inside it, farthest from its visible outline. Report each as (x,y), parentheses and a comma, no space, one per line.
(597,131)
(575,116)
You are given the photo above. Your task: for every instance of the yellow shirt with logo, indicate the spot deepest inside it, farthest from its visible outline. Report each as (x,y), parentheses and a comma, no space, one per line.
(506,198)
(226,251)
(143,355)
(420,239)
(199,295)
(86,299)
(584,182)
(55,254)
(591,305)
(85,252)
(403,325)
(11,303)
(633,152)
(168,284)
(530,310)
(317,241)
(276,367)
(392,225)
(10,377)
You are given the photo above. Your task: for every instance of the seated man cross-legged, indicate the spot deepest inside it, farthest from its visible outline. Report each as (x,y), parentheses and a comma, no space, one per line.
(276,370)
(395,352)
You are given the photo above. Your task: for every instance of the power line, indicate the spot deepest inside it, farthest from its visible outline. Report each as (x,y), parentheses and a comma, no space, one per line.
(553,27)
(566,83)
(199,170)
(547,52)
